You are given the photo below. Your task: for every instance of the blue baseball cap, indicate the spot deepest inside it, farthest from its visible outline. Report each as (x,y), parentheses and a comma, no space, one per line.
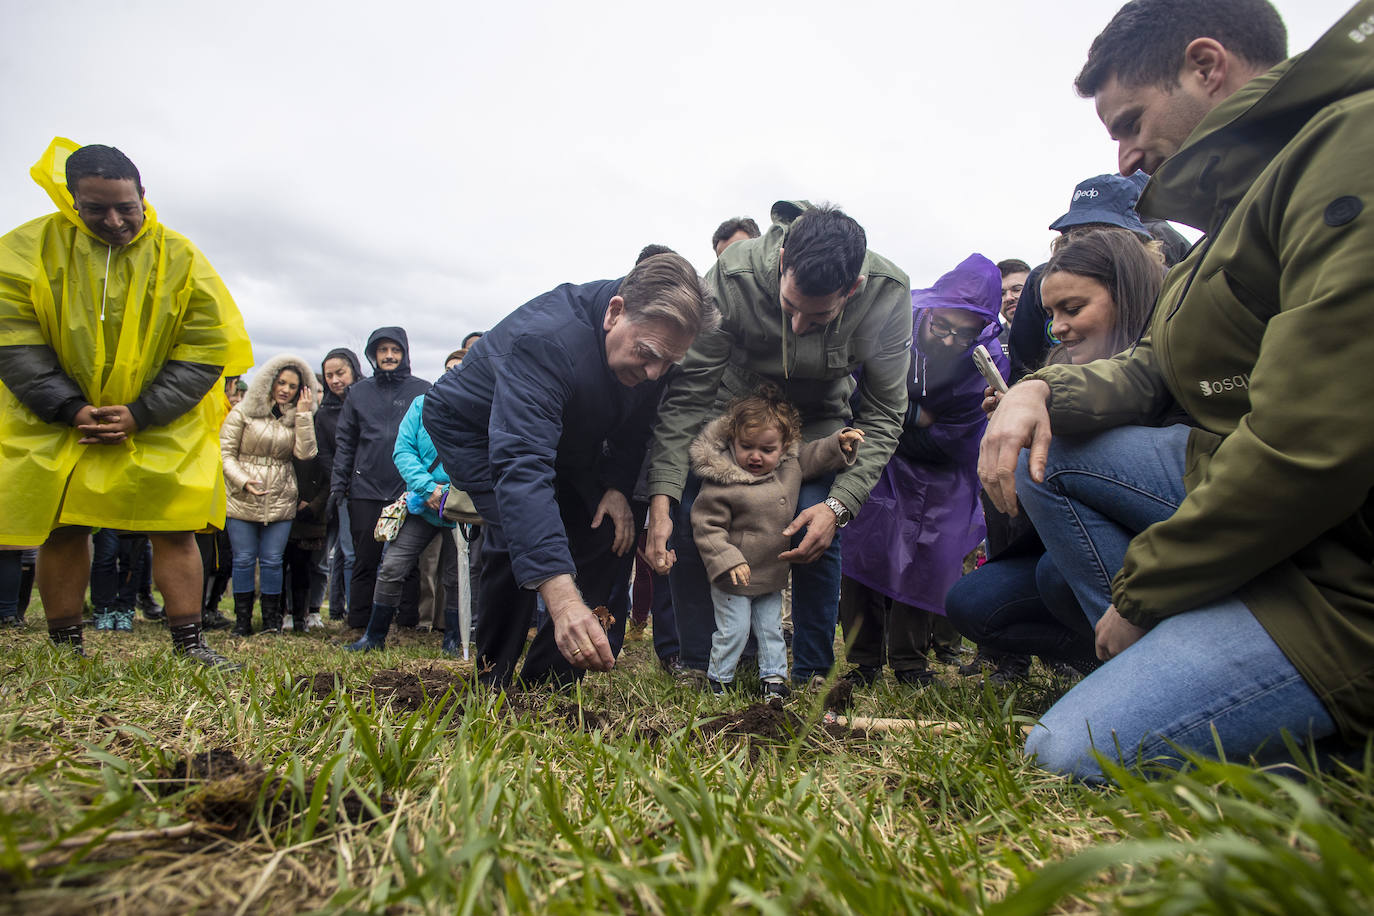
(1106,199)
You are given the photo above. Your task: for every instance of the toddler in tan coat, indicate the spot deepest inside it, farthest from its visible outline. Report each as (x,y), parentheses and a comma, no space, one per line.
(751,464)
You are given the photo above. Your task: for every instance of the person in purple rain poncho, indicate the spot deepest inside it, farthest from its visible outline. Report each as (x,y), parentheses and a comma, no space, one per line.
(906,547)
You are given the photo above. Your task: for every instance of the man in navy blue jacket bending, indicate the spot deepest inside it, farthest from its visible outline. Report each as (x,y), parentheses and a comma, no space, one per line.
(545,424)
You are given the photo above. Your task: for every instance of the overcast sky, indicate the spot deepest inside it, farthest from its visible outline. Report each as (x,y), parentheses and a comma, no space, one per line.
(348,165)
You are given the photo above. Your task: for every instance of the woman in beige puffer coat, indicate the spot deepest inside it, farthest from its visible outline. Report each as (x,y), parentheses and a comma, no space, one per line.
(273,423)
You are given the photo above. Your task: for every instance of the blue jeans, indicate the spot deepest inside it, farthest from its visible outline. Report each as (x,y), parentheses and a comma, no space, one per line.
(815,591)
(1021,605)
(339,544)
(1212,667)
(257,545)
(736,615)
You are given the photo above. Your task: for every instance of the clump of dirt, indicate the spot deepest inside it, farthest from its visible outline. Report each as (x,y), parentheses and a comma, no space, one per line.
(226,792)
(773,724)
(417,690)
(841,697)
(320,685)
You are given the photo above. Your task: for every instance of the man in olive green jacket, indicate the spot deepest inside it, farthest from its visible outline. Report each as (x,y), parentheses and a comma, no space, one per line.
(803,307)
(1230,564)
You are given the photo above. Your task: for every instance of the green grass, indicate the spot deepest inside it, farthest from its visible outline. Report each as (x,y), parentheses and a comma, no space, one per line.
(613,798)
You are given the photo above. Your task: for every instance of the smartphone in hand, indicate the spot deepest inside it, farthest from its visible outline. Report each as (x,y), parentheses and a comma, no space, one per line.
(983,360)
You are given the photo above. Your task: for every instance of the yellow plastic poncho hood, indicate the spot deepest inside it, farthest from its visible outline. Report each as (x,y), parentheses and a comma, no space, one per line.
(161,300)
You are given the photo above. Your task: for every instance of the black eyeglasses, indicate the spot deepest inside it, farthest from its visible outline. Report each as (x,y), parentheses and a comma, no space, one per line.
(942,331)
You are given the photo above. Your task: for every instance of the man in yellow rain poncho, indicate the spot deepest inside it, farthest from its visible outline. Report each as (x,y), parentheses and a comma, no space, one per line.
(113,333)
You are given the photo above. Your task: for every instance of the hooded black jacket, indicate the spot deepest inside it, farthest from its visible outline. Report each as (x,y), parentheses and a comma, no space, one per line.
(331,405)
(371,415)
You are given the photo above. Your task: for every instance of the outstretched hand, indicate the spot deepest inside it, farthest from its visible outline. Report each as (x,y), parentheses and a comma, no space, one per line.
(615,506)
(819,522)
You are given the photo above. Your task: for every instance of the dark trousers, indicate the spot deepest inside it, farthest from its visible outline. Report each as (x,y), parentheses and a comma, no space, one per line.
(117,562)
(298,571)
(651,594)
(217,563)
(878,629)
(16,583)
(367,559)
(508,609)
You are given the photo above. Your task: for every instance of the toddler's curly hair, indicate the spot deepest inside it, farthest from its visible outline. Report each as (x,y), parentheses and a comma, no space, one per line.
(766,408)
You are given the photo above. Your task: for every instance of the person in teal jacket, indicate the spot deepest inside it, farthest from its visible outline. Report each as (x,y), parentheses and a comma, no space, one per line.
(427,482)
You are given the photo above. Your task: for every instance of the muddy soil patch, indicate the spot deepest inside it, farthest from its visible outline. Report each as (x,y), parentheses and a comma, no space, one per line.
(226,792)
(772,723)
(415,690)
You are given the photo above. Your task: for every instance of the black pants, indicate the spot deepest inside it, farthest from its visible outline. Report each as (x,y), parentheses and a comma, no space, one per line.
(217,563)
(878,629)
(508,609)
(367,559)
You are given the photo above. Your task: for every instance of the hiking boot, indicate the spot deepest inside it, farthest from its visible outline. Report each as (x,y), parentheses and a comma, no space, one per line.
(123,618)
(213,620)
(715,686)
(378,625)
(312,622)
(914,677)
(68,638)
(947,656)
(690,678)
(979,664)
(150,609)
(671,663)
(862,675)
(104,618)
(635,631)
(243,613)
(777,689)
(189,642)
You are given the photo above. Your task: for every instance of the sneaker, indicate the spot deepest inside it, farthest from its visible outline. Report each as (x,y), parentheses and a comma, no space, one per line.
(288,623)
(123,618)
(776,689)
(948,656)
(313,622)
(11,622)
(672,664)
(914,677)
(715,686)
(104,618)
(202,653)
(213,620)
(862,675)
(816,682)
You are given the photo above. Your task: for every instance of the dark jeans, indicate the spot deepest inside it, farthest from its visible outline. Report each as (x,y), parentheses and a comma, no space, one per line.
(508,609)
(1022,605)
(650,588)
(116,568)
(815,592)
(14,592)
(340,548)
(367,559)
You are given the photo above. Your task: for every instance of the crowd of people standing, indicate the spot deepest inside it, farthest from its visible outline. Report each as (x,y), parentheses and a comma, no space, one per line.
(1171,498)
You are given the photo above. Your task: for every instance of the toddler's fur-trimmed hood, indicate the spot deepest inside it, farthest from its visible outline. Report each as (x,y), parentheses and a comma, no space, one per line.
(257,400)
(714,460)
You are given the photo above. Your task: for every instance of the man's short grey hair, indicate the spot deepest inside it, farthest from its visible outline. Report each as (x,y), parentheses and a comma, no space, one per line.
(665,287)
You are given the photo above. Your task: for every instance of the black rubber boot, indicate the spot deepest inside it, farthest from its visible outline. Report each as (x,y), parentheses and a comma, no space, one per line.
(243,613)
(378,625)
(453,636)
(188,641)
(271,613)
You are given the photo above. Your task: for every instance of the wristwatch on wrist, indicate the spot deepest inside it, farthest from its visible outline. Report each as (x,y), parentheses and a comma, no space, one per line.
(842,515)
